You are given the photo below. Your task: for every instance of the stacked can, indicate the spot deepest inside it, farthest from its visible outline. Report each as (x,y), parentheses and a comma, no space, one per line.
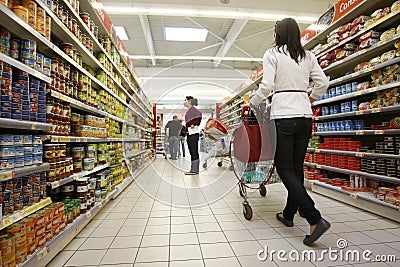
(41,21)
(371,163)
(32,9)
(18,231)
(6,90)
(390,148)
(20,97)
(15,48)
(42,102)
(397,140)
(5,37)
(28,52)
(34,99)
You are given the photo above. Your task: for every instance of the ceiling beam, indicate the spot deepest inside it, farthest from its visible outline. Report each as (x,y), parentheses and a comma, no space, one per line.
(205,58)
(144,21)
(233,33)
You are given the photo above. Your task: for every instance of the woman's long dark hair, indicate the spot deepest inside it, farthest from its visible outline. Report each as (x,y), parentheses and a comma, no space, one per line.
(287,33)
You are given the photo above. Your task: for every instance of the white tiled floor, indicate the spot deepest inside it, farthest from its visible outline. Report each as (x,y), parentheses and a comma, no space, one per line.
(141,228)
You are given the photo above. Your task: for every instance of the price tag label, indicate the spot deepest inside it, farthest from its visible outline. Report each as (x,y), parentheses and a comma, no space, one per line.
(317,151)
(88,214)
(33,127)
(360,155)
(55,184)
(376,110)
(100,204)
(374,89)
(65,139)
(354,196)
(379,132)
(6,222)
(55,139)
(42,253)
(7,175)
(316,118)
(318,166)
(360,112)
(84,139)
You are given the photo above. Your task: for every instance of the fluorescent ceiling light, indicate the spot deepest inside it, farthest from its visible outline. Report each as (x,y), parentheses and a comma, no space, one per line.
(185,34)
(121,32)
(233,14)
(197,58)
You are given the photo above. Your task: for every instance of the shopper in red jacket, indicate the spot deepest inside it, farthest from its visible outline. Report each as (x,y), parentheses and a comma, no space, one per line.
(287,72)
(192,121)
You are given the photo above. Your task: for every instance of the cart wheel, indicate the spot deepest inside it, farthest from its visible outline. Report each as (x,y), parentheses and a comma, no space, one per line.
(220,164)
(205,165)
(263,190)
(247,212)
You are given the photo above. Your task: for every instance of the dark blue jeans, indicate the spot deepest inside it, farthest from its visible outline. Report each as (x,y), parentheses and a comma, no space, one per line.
(293,135)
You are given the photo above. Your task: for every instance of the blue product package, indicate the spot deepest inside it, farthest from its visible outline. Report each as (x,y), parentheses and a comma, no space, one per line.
(26,108)
(43,120)
(343,90)
(5,115)
(326,127)
(25,97)
(348,88)
(360,125)
(25,112)
(354,105)
(42,115)
(336,109)
(349,125)
(16,111)
(343,107)
(5,109)
(16,106)
(354,87)
(42,98)
(334,126)
(5,104)
(19,151)
(347,106)
(5,98)
(331,111)
(16,116)
(329,92)
(26,117)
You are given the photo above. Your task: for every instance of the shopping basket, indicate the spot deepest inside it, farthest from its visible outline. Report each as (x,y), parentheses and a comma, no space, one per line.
(215,140)
(252,150)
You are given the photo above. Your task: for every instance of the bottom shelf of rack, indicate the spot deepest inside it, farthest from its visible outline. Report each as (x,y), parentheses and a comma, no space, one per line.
(45,255)
(361,200)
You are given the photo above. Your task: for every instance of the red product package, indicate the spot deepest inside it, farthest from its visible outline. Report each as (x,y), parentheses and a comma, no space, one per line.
(357,29)
(367,43)
(350,47)
(360,20)
(325,63)
(327,56)
(344,28)
(345,35)
(369,35)
(385,11)
(361,66)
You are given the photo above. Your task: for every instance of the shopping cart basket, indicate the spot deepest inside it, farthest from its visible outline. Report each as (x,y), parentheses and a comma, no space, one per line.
(215,140)
(251,152)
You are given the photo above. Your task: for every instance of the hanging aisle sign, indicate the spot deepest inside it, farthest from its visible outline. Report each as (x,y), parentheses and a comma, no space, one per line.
(338,11)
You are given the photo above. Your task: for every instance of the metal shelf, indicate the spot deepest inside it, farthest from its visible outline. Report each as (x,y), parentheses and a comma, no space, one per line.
(354,154)
(382,178)
(364,55)
(373,111)
(356,94)
(227,115)
(76,139)
(44,256)
(24,125)
(382,23)
(24,171)
(87,7)
(362,200)
(19,65)
(19,215)
(252,86)
(362,8)
(66,35)
(362,132)
(233,106)
(76,176)
(362,73)
(231,119)
(137,154)
(79,105)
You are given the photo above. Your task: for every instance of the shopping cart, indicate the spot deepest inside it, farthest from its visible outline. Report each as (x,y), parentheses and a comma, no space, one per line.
(251,152)
(214,142)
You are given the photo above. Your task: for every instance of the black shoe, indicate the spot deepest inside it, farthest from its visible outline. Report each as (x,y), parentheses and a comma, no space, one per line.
(322,227)
(302,215)
(286,222)
(191,173)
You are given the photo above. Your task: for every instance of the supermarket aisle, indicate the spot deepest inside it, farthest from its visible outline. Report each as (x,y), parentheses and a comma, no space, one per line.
(136,230)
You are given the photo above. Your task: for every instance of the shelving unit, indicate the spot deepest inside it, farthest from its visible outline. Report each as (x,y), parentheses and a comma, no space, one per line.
(123,87)
(44,256)
(342,73)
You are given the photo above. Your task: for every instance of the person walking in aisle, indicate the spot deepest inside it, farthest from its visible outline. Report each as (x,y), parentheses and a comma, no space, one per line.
(174,127)
(287,72)
(192,122)
(182,135)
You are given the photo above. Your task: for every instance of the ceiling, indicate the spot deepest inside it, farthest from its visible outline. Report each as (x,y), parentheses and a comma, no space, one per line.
(233,49)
